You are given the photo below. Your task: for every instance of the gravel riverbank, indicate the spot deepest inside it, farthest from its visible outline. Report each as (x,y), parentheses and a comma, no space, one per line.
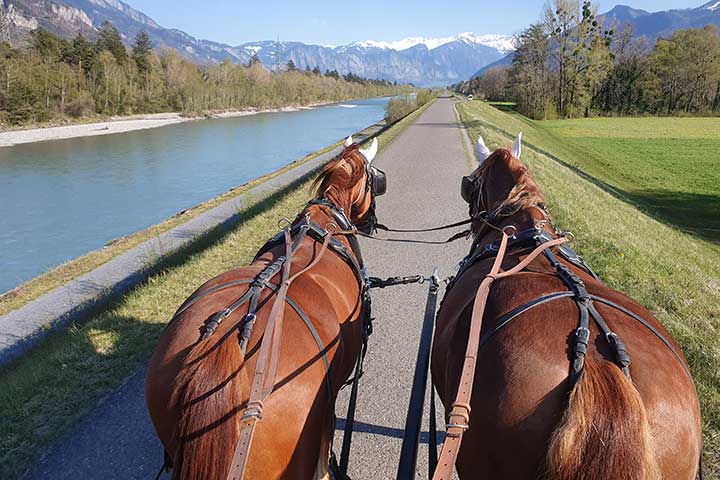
(125,124)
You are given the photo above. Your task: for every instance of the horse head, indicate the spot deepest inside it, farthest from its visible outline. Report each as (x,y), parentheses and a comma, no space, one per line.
(352,182)
(500,188)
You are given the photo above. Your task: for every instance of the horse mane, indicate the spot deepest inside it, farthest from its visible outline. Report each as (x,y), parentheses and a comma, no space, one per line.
(335,175)
(525,194)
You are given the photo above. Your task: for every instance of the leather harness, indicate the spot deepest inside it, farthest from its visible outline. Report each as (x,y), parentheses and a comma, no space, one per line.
(268,356)
(543,242)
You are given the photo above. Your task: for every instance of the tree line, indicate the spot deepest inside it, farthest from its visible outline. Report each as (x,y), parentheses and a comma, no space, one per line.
(55,79)
(568,65)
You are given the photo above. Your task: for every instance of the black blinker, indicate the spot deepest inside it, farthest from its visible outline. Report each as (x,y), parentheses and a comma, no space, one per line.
(467,189)
(379,181)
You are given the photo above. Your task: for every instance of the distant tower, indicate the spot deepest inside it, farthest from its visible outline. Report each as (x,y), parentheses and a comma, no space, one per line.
(277,54)
(4,24)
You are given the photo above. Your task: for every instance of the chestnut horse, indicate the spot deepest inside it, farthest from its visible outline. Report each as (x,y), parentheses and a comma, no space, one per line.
(551,399)
(200,378)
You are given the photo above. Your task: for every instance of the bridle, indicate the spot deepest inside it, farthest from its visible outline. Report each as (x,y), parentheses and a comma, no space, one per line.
(471,190)
(375,185)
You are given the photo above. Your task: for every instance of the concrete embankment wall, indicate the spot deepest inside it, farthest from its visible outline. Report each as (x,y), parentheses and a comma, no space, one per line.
(22,329)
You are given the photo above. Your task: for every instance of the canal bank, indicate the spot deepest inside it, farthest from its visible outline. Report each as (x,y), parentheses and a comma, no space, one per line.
(46,391)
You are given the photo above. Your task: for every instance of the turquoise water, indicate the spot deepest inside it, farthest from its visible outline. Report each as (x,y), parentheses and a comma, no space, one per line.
(61,199)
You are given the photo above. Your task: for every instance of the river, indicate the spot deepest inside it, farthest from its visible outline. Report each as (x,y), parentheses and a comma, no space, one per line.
(64,198)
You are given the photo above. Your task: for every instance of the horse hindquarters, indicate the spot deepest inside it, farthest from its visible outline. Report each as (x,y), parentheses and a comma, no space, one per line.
(203,407)
(604,432)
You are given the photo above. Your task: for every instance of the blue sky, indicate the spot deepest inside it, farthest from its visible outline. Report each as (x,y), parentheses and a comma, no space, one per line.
(336,22)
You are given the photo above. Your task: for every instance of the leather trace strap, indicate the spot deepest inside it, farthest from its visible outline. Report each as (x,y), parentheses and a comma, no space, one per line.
(266,367)
(459,418)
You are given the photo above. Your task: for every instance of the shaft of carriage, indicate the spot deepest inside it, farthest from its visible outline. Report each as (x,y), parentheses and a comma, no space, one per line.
(413,423)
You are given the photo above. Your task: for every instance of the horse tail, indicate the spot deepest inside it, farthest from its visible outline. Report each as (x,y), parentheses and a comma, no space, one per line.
(604,432)
(208,402)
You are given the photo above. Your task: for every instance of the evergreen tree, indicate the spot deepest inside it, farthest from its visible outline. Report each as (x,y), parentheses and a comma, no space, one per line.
(82,53)
(45,44)
(109,39)
(141,52)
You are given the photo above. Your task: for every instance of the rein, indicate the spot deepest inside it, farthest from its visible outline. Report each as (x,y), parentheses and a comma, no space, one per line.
(380,226)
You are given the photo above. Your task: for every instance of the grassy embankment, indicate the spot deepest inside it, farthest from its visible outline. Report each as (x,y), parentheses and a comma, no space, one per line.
(44,393)
(631,190)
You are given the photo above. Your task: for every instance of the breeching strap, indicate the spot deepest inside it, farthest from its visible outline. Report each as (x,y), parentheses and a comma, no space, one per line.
(268,359)
(459,418)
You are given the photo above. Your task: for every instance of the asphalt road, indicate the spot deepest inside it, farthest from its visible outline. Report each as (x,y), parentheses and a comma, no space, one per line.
(424,166)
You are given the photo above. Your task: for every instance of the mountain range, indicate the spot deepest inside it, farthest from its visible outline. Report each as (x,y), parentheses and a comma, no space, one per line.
(417,60)
(422,61)
(653,25)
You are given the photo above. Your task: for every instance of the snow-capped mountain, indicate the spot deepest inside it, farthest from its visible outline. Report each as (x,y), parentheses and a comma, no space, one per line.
(418,60)
(502,43)
(712,5)
(422,61)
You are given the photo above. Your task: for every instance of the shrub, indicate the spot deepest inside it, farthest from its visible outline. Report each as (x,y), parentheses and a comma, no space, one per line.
(83,106)
(398,108)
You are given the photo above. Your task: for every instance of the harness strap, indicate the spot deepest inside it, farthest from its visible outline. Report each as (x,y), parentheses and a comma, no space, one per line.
(516,312)
(459,418)
(318,234)
(268,360)
(527,238)
(646,325)
(380,226)
(585,305)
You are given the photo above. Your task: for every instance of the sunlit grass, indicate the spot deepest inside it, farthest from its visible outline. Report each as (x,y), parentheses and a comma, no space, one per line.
(673,273)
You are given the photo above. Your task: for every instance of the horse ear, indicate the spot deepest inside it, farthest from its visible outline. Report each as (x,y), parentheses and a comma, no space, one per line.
(517,146)
(349,141)
(482,150)
(370,153)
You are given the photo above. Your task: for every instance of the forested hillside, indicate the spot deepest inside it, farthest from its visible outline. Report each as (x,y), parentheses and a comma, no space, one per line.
(569,65)
(54,79)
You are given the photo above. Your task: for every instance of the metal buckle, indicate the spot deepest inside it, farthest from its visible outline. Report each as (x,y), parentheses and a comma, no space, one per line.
(457,425)
(252,414)
(511,228)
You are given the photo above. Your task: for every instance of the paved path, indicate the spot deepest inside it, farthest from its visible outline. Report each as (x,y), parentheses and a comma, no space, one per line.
(424,166)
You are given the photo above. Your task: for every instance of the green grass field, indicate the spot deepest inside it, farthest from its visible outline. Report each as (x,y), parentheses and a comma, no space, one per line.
(46,391)
(668,167)
(598,176)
